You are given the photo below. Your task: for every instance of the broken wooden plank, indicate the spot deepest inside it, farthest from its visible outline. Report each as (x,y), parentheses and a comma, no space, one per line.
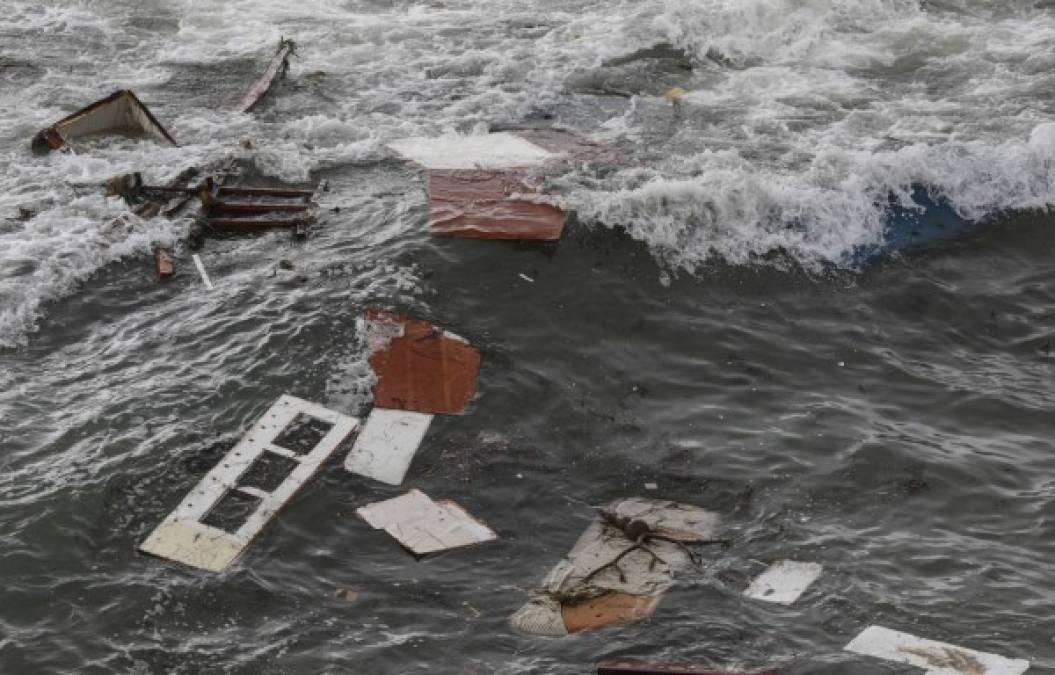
(258,207)
(386,446)
(784,582)
(255,225)
(163,264)
(636,667)
(492,205)
(423,526)
(420,367)
(183,536)
(119,113)
(585,591)
(937,658)
(201,270)
(277,67)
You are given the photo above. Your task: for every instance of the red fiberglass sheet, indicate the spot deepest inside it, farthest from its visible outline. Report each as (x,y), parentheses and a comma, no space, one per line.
(420,367)
(492,204)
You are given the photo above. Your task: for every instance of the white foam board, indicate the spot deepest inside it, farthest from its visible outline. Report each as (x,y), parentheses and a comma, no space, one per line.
(424,526)
(937,658)
(486,151)
(784,582)
(183,538)
(387,444)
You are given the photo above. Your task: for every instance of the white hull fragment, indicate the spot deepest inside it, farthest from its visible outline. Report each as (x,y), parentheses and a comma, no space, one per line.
(784,582)
(937,658)
(485,151)
(423,526)
(387,444)
(184,538)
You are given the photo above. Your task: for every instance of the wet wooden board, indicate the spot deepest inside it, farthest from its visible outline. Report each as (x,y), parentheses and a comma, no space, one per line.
(937,658)
(387,444)
(184,538)
(784,582)
(276,68)
(423,526)
(492,205)
(420,367)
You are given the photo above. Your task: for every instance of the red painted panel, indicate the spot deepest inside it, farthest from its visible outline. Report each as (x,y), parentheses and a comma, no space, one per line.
(479,204)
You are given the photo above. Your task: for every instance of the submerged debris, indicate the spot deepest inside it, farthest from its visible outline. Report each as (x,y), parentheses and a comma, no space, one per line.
(119,113)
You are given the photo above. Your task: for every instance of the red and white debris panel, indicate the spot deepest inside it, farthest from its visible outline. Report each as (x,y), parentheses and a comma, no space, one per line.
(576,597)
(233,485)
(936,658)
(784,582)
(420,367)
(423,526)
(486,186)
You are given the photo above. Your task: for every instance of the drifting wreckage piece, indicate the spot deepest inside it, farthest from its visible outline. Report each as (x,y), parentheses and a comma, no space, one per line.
(119,113)
(609,578)
(784,582)
(937,658)
(480,187)
(387,444)
(635,667)
(184,537)
(276,69)
(423,526)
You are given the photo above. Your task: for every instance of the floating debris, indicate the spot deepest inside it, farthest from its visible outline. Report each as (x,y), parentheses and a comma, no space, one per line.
(784,582)
(935,657)
(634,667)
(423,526)
(201,270)
(119,113)
(387,444)
(503,150)
(506,204)
(619,569)
(276,69)
(420,367)
(220,517)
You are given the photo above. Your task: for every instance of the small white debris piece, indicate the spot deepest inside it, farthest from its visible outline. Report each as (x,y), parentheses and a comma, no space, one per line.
(424,526)
(526,278)
(651,486)
(387,444)
(485,151)
(937,658)
(182,536)
(201,270)
(784,581)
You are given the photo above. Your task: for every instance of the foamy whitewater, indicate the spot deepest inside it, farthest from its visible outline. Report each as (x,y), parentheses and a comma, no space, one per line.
(792,139)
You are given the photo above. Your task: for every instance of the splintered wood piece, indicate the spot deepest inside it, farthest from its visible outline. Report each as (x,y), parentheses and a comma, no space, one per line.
(183,536)
(936,658)
(163,262)
(276,68)
(423,369)
(492,205)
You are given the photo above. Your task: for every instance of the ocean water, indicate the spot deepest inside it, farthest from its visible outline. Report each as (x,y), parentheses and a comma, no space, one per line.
(732,314)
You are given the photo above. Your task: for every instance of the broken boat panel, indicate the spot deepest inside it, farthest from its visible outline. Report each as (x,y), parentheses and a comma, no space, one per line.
(483,151)
(609,579)
(936,658)
(276,69)
(423,526)
(784,582)
(119,113)
(635,667)
(419,367)
(492,205)
(217,521)
(387,444)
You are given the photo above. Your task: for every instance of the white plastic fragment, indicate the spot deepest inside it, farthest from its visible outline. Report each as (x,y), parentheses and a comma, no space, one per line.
(526,278)
(784,582)
(937,658)
(424,526)
(651,486)
(182,536)
(387,444)
(486,151)
(201,270)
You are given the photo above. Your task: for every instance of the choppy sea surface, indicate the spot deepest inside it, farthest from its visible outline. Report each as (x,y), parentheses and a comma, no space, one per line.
(707,324)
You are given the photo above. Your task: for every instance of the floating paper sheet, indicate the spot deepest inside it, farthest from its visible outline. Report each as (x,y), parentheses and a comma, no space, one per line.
(386,446)
(784,582)
(937,658)
(424,526)
(184,538)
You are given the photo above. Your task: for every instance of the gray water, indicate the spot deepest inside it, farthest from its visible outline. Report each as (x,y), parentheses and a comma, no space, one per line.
(704,325)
